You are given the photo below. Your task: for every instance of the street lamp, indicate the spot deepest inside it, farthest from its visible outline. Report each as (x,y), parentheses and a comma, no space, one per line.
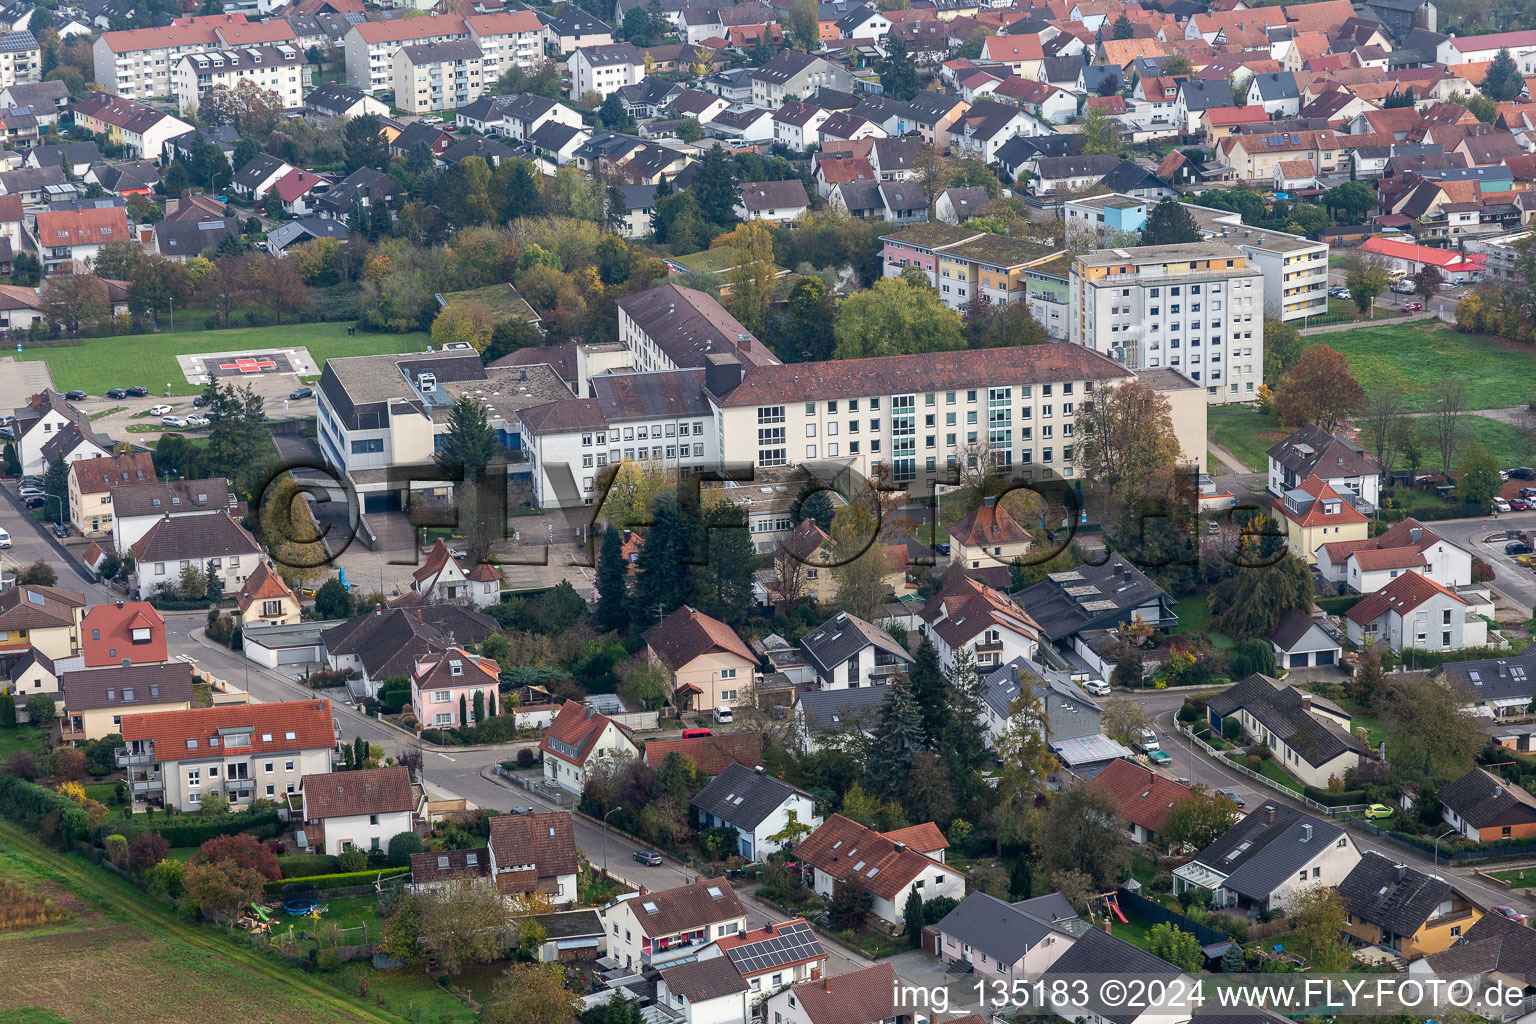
(1448,832)
(605,837)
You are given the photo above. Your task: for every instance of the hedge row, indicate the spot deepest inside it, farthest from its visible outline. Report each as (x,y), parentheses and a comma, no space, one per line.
(264,825)
(1328,798)
(1339,605)
(308,865)
(27,803)
(338,881)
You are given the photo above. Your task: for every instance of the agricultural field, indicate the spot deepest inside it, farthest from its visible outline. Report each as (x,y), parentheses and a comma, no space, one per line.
(97,365)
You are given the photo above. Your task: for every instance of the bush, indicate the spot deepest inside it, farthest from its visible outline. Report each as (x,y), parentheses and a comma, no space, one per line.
(525,757)
(324,883)
(1330,798)
(352,860)
(300,865)
(262,824)
(401,846)
(1338,605)
(1231,730)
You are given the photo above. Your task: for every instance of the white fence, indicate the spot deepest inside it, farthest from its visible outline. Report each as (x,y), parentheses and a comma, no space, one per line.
(1265,780)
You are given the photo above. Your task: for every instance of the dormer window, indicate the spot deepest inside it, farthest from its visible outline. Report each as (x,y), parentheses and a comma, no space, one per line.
(455,667)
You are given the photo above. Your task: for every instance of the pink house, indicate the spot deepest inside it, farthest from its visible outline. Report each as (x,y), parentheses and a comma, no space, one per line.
(444,686)
(917,246)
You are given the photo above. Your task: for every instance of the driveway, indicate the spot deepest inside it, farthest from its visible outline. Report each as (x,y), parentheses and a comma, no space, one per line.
(935,987)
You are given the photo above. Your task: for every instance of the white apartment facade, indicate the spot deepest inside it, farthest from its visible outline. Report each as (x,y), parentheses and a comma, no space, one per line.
(604,69)
(507,40)
(1196,308)
(438,76)
(283,69)
(370,46)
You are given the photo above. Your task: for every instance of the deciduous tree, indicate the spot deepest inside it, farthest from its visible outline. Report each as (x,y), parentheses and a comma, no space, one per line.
(535,993)
(465,922)
(76,300)
(1127,439)
(751,275)
(1082,832)
(1446,409)
(895,317)
(1319,390)
(1198,819)
(1477,475)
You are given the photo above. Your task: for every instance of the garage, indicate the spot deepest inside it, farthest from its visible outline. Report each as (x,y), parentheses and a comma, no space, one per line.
(1300,641)
(296,644)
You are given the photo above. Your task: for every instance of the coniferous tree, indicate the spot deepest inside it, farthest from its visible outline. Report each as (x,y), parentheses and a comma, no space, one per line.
(1503,80)
(612,610)
(716,189)
(726,578)
(912,917)
(897,739)
(664,579)
(929,691)
(1170,223)
(898,74)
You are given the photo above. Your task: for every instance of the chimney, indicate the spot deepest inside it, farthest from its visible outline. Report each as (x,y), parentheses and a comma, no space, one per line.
(722,373)
(826,983)
(1306,702)
(1306,833)
(1399,872)
(1109,929)
(1415,534)
(119,605)
(641,892)
(1269,814)
(758,768)
(900,847)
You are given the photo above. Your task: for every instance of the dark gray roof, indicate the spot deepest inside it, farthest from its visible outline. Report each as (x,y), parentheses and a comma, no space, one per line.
(836,710)
(389,641)
(1096,952)
(1279,709)
(570,924)
(622,398)
(774,195)
(1006,931)
(1291,628)
(258,169)
(1129,176)
(785,66)
(841,637)
(1200,94)
(447,50)
(1063,69)
(1094,76)
(1483,801)
(552,136)
(190,237)
(704,979)
(1494,678)
(333,97)
(294,231)
(1094,164)
(1494,943)
(1257,855)
(126,686)
(638,197)
(1003,683)
(1090,597)
(489,150)
(744,797)
(1277,85)
(1396,897)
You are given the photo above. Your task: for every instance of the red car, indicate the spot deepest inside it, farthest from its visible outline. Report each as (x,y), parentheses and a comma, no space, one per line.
(1412,307)
(1519,505)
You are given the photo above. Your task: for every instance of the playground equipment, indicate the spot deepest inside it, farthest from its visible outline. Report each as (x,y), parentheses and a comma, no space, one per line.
(1112,905)
(305,906)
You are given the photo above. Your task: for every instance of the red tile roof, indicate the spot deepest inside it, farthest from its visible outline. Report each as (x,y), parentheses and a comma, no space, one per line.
(264,585)
(687,907)
(364,791)
(1402,595)
(547,841)
(844,849)
(1144,797)
(93,476)
(106,634)
(710,753)
(924,838)
(1314,514)
(82,227)
(403,29)
(295,183)
(988,524)
(577,728)
(857,997)
(279,727)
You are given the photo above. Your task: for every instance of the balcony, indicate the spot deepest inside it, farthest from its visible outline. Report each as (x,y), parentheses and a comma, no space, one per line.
(675,952)
(144,786)
(233,786)
(127,758)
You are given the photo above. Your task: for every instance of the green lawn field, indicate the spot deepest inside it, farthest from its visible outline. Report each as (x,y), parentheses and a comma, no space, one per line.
(1247,433)
(100,364)
(1414,357)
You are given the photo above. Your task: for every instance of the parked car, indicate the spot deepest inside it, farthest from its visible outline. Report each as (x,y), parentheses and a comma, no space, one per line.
(1519,505)
(35,481)
(173,421)
(1523,473)
(650,857)
(689,734)
(60,529)
(137,391)
(5,539)
(1097,687)
(1147,741)
(1528,492)
(1231,794)
(1404,286)
(74,396)
(1500,505)
(302,392)
(9,433)
(1378,811)
(1411,307)
(1338,293)
(522,810)
(196,420)
(1505,910)
(33,501)
(117,393)
(1516,547)
(723,715)
(199,401)
(30,491)
(432,119)
(159,410)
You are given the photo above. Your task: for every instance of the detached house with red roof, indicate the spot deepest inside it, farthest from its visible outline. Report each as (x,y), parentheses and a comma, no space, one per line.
(662,929)
(453,688)
(243,752)
(987,536)
(865,996)
(78,235)
(1313,514)
(128,631)
(1408,546)
(578,737)
(711,666)
(298,189)
(969,615)
(1414,611)
(888,865)
(535,853)
(443,579)
(357,810)
(266,599)
(1144,797)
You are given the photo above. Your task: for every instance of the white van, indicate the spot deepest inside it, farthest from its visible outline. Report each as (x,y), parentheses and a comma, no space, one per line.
(5,539)
(723,714)
(1147,741)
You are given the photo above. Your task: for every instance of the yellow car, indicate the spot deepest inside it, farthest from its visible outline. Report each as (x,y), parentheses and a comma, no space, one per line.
(1378,811)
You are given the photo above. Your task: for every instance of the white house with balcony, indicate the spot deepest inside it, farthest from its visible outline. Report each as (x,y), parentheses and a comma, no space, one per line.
(658,929)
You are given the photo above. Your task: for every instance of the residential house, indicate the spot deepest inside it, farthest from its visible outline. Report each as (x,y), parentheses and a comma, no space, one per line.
(1020,54)
(957,205)
(142,129)
(656,929)
(95,701)
(360,809)
(128,632)
(1368,565)
(776,202)
(1096,949)
(535,853)
(1403,910)
(1085,598)
(1484,808)
(703,991)
(845,651)
(454,689)
(864,996)
(564,33)
(969,615)
(430,77)
(341,102)
(820,715)
(1252,157)
(78,156)
(1414,611)
(986,125)
(1145,798)
(792,74)
(138,506)
(1056,174)
(31,672)
(1269,859)
(1276,92)
(1195,97)
(1494,687)
(796,125)
(1339,462)
(242,751)
(1300,641)
(988,534)
(280,68)
(298,189)
(1313,514)
(182,240)
(1309,736)
(41,619)
(383,644)
(433,871)
(710,754)
(77,235)
(842,850)
(1494,951)
(604,69)
(1072,727)
(20,307)
(211,542)
(266,599)
(441,578)
(1008,942)
(778,955)
(90,488)
(577,736)
(768,814)
(709,664)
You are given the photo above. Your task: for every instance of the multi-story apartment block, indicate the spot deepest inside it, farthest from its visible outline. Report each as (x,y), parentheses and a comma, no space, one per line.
(989,267)
(674,328)
(1197,308)
(438,76)
(370,46)
(140,63)
(282,69)
(796,74)
(244,751)
(507,40)
(20,59)
(604,69)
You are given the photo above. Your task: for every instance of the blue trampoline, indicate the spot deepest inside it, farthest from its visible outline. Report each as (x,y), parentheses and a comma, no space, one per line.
(299,907)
